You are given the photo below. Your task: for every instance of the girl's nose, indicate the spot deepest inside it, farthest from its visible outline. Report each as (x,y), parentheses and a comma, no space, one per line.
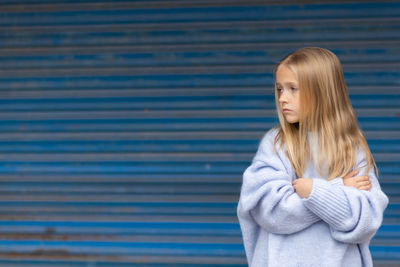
(283,97)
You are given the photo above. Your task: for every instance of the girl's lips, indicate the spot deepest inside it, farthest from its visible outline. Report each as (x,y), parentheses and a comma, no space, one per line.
(286,110)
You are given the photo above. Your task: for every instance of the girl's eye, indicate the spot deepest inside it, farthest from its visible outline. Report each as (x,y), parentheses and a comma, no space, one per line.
(293,88)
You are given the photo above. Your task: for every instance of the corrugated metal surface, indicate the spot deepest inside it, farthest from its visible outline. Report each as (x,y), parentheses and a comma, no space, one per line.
(125,126)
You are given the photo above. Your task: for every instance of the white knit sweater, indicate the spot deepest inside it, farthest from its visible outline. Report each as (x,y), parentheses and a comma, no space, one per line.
(330,228)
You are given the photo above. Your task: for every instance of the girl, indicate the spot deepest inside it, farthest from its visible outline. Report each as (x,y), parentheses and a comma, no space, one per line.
(328,219)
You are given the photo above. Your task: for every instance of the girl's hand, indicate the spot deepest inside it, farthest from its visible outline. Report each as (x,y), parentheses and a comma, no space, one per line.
(358,182)
(303,186)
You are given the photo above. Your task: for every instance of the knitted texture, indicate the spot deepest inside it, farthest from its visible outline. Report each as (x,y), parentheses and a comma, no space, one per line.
(330,228)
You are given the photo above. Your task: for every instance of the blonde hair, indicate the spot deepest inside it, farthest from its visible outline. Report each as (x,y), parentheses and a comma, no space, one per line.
(326,114)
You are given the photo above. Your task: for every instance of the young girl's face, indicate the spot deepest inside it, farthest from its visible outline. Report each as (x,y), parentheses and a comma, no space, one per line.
(289,98)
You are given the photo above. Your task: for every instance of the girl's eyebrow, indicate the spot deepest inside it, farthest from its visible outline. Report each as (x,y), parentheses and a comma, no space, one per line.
(287,83)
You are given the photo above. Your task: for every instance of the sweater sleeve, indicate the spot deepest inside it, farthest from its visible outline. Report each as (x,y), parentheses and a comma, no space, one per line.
(267,195)
(354,215)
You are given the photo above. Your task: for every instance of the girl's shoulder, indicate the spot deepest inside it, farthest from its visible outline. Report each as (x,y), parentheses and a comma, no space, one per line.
(267,143)
(269,137)
(273,152)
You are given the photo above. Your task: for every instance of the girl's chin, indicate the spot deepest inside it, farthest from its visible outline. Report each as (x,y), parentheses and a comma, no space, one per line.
(291,120)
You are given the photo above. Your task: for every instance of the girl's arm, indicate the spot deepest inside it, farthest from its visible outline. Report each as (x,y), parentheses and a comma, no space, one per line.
(359,182)
(267,196)
(303,186)
(353,215)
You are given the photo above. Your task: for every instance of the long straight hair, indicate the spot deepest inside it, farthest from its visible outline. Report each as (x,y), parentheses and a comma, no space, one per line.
(326,115)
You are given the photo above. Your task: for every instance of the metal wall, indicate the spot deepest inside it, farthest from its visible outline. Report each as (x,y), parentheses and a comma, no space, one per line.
(125,126)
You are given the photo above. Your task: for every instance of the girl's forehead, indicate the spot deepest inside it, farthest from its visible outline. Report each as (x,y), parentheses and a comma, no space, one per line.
(283,68)
(285,75)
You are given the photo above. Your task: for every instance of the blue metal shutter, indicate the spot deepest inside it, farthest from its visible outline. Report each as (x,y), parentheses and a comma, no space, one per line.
(125,126)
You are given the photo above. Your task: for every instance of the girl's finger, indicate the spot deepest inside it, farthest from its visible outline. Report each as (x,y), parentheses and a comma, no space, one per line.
(362,178)
(365,188)
(352,174)
(364,183)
